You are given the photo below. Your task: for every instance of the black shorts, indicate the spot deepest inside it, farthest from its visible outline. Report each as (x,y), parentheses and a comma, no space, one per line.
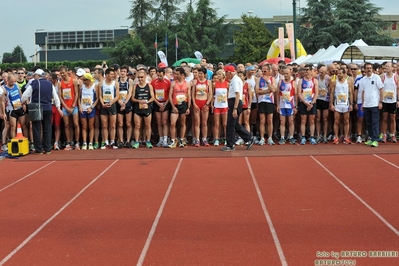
(303,111)
(389,108)
(266,108)
(156,107)
(17,113)
(143,114)
(128,108)
(108,111)
(254,106)
(182,108)
(322,105)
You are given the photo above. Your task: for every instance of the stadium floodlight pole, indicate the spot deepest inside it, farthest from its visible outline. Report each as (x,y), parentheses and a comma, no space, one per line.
(294,22)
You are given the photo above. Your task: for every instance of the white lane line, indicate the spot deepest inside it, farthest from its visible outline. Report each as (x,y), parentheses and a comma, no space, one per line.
(19,180)
(155,224)
(379,216)
(388,162)
(54,215)
(268,218)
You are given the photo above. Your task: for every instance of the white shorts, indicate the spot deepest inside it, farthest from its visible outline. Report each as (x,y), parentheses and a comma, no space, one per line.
(340,108)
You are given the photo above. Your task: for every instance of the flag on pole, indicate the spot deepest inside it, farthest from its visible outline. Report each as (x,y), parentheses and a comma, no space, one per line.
(166,40)
(177,42)
(156,41)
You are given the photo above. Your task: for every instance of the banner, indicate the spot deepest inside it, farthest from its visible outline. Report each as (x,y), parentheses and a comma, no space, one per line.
(281,41)
(162,56)
(156,41)
(198,55)
(290,33)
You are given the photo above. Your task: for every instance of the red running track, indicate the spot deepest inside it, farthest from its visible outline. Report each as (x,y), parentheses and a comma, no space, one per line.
(199,211)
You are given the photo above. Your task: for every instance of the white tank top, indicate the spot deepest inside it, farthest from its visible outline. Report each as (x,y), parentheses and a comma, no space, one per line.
(341,93)
(88,97)
(108,91)
(251,81)
(389,89)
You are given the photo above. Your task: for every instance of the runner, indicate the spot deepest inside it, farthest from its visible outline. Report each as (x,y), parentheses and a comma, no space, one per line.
(87,109)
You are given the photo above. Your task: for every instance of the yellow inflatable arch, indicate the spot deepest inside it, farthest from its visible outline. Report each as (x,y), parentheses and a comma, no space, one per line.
(274,50)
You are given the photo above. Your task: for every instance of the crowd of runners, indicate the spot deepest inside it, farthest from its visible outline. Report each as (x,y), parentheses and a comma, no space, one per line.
(115,107)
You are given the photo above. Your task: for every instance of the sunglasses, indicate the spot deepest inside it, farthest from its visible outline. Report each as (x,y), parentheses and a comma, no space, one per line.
(21,73)
(354,68)
(306,69)
(265,71)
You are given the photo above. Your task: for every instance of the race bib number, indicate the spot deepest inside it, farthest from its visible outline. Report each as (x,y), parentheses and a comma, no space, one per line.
(322,93)
(160,95)
(201,89)
(307,96)
(286,96)
(181,98)
(107,97)
(123,96)
(342,98)
(17,104)
(221,98)
(143,106)
(66,94)
(388,95)
(86,100)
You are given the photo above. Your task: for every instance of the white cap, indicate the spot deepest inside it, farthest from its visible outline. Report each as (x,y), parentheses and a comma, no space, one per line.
(80,72)
(39,72)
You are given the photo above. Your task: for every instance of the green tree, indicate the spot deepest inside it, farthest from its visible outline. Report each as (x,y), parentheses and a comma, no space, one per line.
(341,21)
(210,30)
(129,50)
(8,58)
(252,40)
(315,24)
(16,56)
(141,13)
(359,20)
(186,34)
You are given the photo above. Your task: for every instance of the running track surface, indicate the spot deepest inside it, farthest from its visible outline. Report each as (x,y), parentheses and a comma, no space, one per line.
(262,210)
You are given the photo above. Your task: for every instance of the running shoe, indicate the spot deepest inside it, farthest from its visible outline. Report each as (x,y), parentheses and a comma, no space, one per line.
(325,140)
(4,147)
(240,142)
(114,146)
(383,137)
(103,146)
(173,144)
(292,141)
(95,146)
(393,138)
(319,139)
(136,145)
(181,143)
(303,141)
(270,141)
(84,146)
(148,144)
(56,147)
(347,141)
(374,143)
(281,142)
(196,143)
(91,146)
(160,143)
(68,147)
(205,142)
(369,142)
(227,148)
(313,141)
(77,146)
(250,143)
(261,142)
(359,139)
(216,142)
(121,145)
(336,141)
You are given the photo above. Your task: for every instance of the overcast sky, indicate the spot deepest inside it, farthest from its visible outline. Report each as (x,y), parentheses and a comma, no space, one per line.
(23,17)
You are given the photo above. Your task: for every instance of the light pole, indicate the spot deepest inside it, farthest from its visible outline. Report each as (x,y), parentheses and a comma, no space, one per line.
(294,22)
(35,49)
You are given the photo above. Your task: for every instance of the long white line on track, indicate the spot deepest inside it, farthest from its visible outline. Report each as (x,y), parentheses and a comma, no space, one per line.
(379,216)
(19,180)
(159,214)
(268,218)
(12,253)
(388,162)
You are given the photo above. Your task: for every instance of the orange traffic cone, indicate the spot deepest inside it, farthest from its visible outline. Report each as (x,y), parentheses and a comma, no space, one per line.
(19,132)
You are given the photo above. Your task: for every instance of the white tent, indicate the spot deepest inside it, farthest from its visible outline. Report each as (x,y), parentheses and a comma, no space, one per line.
(302,58)
(359,42)
(333,55)
(316,58)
